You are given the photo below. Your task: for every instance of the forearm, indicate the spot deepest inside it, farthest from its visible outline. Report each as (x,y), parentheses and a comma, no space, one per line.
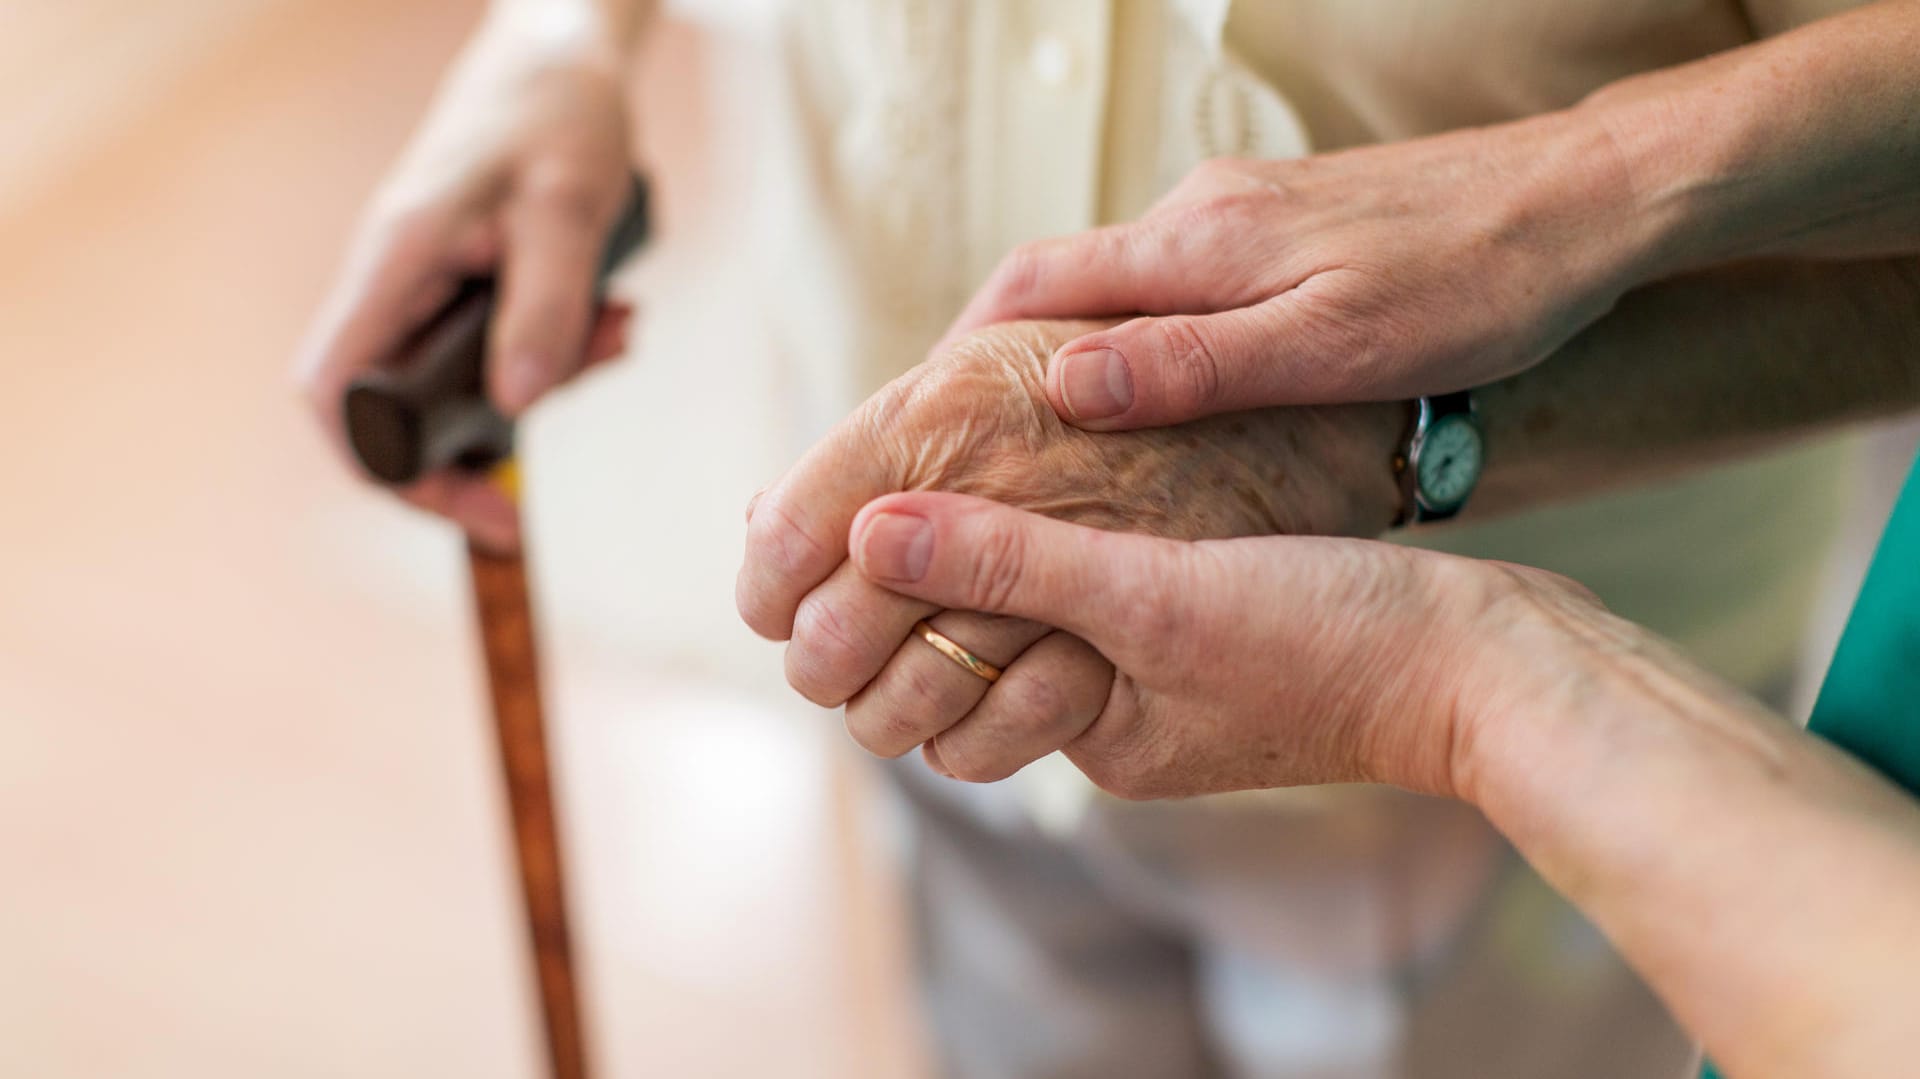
(1767,886)
(1804,144)
(1702,369)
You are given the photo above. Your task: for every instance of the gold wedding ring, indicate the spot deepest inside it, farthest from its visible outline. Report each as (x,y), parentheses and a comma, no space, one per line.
(945,646)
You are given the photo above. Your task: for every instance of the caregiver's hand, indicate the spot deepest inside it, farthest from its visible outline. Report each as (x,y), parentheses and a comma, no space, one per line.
(1241,663)
(1763,882)
(518,170)
(973,419)
(1451,261)
(1367,275)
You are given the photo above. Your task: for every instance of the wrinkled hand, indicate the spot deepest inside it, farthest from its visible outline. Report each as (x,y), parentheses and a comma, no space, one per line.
(519,170)
(1245,663)
(1372,274)
(974,419)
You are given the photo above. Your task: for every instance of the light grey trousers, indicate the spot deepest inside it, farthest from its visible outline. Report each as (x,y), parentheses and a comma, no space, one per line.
(1351,933)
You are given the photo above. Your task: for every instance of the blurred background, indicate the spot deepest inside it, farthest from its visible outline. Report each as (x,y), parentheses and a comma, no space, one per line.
(249,821)
(249,818)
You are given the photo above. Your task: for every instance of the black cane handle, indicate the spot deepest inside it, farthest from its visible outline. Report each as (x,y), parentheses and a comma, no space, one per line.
(427,408)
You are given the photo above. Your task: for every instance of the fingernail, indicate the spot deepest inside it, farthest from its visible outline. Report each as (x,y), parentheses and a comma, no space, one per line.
(1095,385)
(522,381)
(897,547)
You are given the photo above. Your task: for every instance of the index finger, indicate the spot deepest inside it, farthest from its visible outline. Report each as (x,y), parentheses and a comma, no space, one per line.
(394,276)
(797,535)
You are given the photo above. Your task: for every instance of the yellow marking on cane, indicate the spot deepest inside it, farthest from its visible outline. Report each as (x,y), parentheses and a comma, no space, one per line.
(505,478)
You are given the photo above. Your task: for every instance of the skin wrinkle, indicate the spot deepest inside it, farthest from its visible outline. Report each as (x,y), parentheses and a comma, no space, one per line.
(787,528)
(1014,449)
(1633,663)
(1648,403)
(1623,721)
(975,420)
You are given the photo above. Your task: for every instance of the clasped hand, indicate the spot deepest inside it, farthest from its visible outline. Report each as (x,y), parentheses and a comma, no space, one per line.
(975,420)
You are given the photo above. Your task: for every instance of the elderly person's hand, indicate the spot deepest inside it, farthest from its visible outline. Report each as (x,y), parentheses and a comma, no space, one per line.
(519,170)
(974,419)
(1371,274)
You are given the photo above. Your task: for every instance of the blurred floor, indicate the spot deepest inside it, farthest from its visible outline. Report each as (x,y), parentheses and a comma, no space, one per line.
(248,823)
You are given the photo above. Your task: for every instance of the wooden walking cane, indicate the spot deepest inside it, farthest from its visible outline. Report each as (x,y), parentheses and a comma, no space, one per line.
(429,410)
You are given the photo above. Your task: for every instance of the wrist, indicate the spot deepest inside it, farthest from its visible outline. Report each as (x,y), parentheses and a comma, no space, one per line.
(1566,700)
(1684,143)
(1596,195)
(1533,666)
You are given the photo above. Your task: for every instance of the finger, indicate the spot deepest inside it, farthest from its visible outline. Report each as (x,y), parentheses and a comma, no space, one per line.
(481,509)
(555,229)
(1146,267)
(1045,699)
(797,531)
(1151,372)
(609,338)
(1047,275)
(843,633)
(922,692)
(395,276)
(972,554)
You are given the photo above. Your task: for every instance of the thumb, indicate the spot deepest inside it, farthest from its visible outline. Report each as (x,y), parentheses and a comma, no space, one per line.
(1152,372)
(541,329)
(971,554)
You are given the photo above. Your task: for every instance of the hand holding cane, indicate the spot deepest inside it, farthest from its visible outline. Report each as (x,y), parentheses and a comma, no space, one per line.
(429,410)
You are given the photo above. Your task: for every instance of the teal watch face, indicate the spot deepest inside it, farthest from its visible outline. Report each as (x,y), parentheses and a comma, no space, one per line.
(1450,459)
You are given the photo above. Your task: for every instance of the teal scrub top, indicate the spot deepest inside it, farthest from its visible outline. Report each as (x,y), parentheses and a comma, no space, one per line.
(1869,704)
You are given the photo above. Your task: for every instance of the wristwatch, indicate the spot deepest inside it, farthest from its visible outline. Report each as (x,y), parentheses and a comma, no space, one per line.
(1440,462)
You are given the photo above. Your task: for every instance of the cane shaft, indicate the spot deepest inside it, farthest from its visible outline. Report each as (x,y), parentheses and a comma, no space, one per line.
(513,679)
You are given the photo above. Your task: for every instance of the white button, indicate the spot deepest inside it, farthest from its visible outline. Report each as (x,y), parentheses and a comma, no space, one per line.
(1051,60)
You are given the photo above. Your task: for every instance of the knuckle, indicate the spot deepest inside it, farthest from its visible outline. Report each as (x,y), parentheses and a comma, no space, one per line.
(997,571)
(757,609)
(409,230)
(1208,179)
(899,727)
(969,764)
(823,648)
(398,200)
(927,689)
(565,193)
(1035,702)
(776,536)
(804,676)
(876,732)
(1018,278)
(901,712)
(1216,169)
(1156,617)
(970,770)
(1191,367)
